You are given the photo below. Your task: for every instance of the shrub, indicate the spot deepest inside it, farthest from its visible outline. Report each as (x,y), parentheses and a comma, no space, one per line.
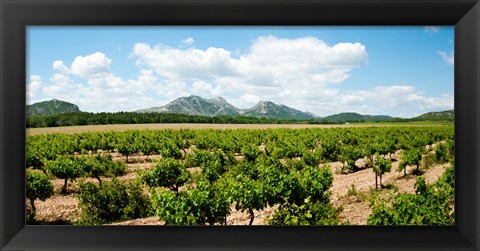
(251,152)
(208,203)
(112,202)
(66,167)
(381,167)
(306,200)
(431,205)
(307,213)
(441,153)
(411,157)
(102,165)
(38,186)
(168,173)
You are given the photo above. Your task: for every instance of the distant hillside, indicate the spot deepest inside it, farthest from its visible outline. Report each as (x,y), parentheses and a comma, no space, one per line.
(267,109)
(195,105)
(355,117)
(51,107)
(437,116)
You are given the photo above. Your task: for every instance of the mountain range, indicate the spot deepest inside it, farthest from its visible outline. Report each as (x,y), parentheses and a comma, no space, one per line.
(354,117)
(195,105)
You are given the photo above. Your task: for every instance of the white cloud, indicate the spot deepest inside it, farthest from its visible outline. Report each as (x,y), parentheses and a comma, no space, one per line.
(102,90)
(34,86)
(280,69)
(59,66)
(432,29)
(202,87)
(449,58)
(175,89)
(180,64)
(91,66)
(188,41)
(250,99)
(401,100)
(269,61)
(62,87)
(444,102)
(108,93)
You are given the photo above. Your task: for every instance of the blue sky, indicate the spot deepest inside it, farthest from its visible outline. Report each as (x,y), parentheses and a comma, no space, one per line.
(397,71)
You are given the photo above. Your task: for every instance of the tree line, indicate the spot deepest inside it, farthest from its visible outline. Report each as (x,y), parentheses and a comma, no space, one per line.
(106,118)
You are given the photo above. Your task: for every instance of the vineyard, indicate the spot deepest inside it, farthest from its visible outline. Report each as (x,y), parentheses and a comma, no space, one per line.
(205,176)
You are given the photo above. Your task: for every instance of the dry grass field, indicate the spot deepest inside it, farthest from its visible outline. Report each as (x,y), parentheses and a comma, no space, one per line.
(123,127)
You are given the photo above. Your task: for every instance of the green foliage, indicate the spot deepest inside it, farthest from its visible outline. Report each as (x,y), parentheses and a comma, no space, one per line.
(91,142)
(168,172)
(208,203)
(350,154)
(250,170)
(126,144)
(214,167)
(197,158)
(173,208)
(248,195)
(250,152)
(411,157)
(65,167)
(291,165)
(314,183)
(292,150)
(105,118)
(112,202)
(441,152)
(102,165)
(34,158)
(431,205)
(307,213)
(170,150)
(329,150)
(311,158)
(306,198)
(276,184)
(116,168)
(38,186)
(381,166)
(451,149)
(211,201)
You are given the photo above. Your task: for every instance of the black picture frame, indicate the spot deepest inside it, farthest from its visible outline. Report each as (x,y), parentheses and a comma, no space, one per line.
(17,14)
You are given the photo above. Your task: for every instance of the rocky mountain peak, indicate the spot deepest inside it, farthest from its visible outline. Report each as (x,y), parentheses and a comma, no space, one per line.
(195,105)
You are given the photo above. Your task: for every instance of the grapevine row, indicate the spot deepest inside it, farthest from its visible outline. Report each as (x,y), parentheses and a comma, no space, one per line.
(250,169)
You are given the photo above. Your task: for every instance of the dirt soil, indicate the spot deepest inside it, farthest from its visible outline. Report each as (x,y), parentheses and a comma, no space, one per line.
(145,221)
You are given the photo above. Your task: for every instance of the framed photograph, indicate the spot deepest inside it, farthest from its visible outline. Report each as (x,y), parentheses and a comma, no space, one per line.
(406,71)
